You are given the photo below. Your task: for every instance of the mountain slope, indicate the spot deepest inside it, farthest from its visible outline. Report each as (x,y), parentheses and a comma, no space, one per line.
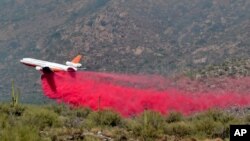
(146,36)
(159,36)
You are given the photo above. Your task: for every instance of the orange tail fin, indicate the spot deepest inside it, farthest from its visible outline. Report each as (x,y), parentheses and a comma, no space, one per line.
(77,59)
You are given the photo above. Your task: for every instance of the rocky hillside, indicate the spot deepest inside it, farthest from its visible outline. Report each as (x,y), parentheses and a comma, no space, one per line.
(150,36)
(231,75)
(230,68)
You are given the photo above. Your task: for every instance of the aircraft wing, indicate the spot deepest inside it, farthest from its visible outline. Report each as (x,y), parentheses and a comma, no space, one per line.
(46,69)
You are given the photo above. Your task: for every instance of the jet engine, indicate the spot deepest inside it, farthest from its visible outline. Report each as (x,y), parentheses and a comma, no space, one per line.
(76,65)
(38,68)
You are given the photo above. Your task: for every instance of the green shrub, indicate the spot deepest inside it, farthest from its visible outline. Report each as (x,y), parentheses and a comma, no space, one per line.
(81,112)
(45,119)
(214,115)
(56,123)
(3,121)
(142,131)
(208,127)
(103,118)
(42,118)
(174,117)
(153,119)
(73,122)
(67,111)
(213,123)
(120,134)
(180,129)
(19,133)
(247,119)
(58,108)
(12,110)
(148,125)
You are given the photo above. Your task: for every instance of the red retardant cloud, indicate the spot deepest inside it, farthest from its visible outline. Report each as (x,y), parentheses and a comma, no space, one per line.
(132,94)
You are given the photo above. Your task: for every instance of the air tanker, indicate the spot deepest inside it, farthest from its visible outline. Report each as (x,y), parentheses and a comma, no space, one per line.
(46,66)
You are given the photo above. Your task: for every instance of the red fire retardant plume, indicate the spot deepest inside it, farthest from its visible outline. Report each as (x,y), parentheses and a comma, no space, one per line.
(132,94)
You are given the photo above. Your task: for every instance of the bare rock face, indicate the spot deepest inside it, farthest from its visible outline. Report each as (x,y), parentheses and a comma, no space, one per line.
(138,51)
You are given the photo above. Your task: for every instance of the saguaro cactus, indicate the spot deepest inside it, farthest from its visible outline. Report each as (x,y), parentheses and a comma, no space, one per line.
(15,92)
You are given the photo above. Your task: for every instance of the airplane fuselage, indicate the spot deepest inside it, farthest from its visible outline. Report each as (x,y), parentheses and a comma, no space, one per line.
(40,65)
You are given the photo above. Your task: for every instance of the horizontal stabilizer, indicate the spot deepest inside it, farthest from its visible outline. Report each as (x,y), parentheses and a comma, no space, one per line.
(71,64)
(75,62)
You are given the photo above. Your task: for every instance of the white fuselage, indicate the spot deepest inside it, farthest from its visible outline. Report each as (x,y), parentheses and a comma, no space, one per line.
(40,64)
